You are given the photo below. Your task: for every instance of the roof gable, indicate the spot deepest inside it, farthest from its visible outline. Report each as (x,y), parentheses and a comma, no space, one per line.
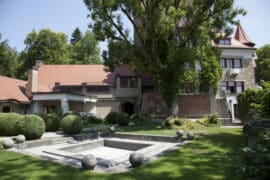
(13,89)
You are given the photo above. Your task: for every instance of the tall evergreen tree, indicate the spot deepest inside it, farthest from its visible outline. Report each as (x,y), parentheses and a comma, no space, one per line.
(76,36)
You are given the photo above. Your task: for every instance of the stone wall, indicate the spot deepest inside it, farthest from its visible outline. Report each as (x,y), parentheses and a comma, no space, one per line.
(154,103)
(189,105)
(196,105)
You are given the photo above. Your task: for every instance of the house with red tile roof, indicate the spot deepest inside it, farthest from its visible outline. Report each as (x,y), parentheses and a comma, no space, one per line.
(12,95)
(91,89)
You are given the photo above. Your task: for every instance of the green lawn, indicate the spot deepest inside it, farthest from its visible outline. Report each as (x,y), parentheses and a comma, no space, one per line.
(213,155)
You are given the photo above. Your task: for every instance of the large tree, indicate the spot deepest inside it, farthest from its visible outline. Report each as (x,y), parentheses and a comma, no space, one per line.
(263,64)
(8,59)
(168,34)
(45,45)
(86,50)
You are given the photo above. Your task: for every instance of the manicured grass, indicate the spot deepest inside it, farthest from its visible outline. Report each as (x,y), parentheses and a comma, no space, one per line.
(211,156)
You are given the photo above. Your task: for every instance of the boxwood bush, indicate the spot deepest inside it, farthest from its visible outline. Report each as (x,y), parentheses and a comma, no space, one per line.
(210,121)
(141,118)
(112,118)
(52,121)
(123,119)
(92,119)
(31,126)
(71,124)
(8,123)
(176,122)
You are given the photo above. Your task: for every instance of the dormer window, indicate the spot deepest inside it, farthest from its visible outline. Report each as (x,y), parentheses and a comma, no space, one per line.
(224,42)
(128,82)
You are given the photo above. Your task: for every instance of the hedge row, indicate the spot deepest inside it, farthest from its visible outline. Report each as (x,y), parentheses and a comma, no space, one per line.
(120,118)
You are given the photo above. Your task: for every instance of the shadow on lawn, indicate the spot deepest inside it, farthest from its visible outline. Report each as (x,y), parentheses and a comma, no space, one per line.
(210,156)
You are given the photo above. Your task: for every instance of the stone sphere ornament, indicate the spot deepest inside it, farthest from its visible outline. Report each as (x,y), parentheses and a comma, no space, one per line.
(89,162)
(20,138)
(8,143)
(190,135)
(112,129)
(179,133)
(136,159)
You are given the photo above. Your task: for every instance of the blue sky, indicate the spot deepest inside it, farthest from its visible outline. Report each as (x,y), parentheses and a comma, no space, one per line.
(19,17)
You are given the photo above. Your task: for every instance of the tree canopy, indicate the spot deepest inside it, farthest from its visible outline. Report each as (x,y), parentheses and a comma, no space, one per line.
(263,64)
(53,48)
(45,45)
(168,34)
(8,59)
(85,50)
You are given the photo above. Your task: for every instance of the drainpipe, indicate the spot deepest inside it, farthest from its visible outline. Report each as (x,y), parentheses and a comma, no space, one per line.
(64,104)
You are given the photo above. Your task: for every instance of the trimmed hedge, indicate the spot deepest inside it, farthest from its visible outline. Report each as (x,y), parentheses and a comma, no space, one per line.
(8,123)
(123,119)
(52,121)
(120,118)
(31,126)
(71,124)
(175,122)
(92,119)
(112,118)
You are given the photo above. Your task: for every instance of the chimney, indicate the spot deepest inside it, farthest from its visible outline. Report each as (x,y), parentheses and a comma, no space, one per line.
(32,84)
(38,64)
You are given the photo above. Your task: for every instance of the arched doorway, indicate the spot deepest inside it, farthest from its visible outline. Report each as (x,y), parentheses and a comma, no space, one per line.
(127,107)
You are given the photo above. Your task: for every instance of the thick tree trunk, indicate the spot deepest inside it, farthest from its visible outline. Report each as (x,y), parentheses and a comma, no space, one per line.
(174,107)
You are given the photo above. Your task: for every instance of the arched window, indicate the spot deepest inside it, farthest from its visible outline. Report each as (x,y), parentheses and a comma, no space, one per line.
(6,109)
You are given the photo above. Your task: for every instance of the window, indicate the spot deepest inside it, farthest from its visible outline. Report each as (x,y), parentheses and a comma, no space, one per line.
(231,63)
(98,89)
(187,66)
(6,109)
(133,82)
(128,82)
(198,66)
(237,63)
(223,63)
(224,42)
(232,86)
(239,87)
(123,82)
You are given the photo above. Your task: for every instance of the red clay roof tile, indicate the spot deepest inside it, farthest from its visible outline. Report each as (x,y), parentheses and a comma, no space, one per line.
(12,89)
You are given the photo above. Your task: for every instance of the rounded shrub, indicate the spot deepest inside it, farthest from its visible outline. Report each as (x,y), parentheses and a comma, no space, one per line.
(123,119)
(112,118)
(169,122)
(178,122)
(31,126)
(92,120)
(8,123)
(71,124)
(52,121)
